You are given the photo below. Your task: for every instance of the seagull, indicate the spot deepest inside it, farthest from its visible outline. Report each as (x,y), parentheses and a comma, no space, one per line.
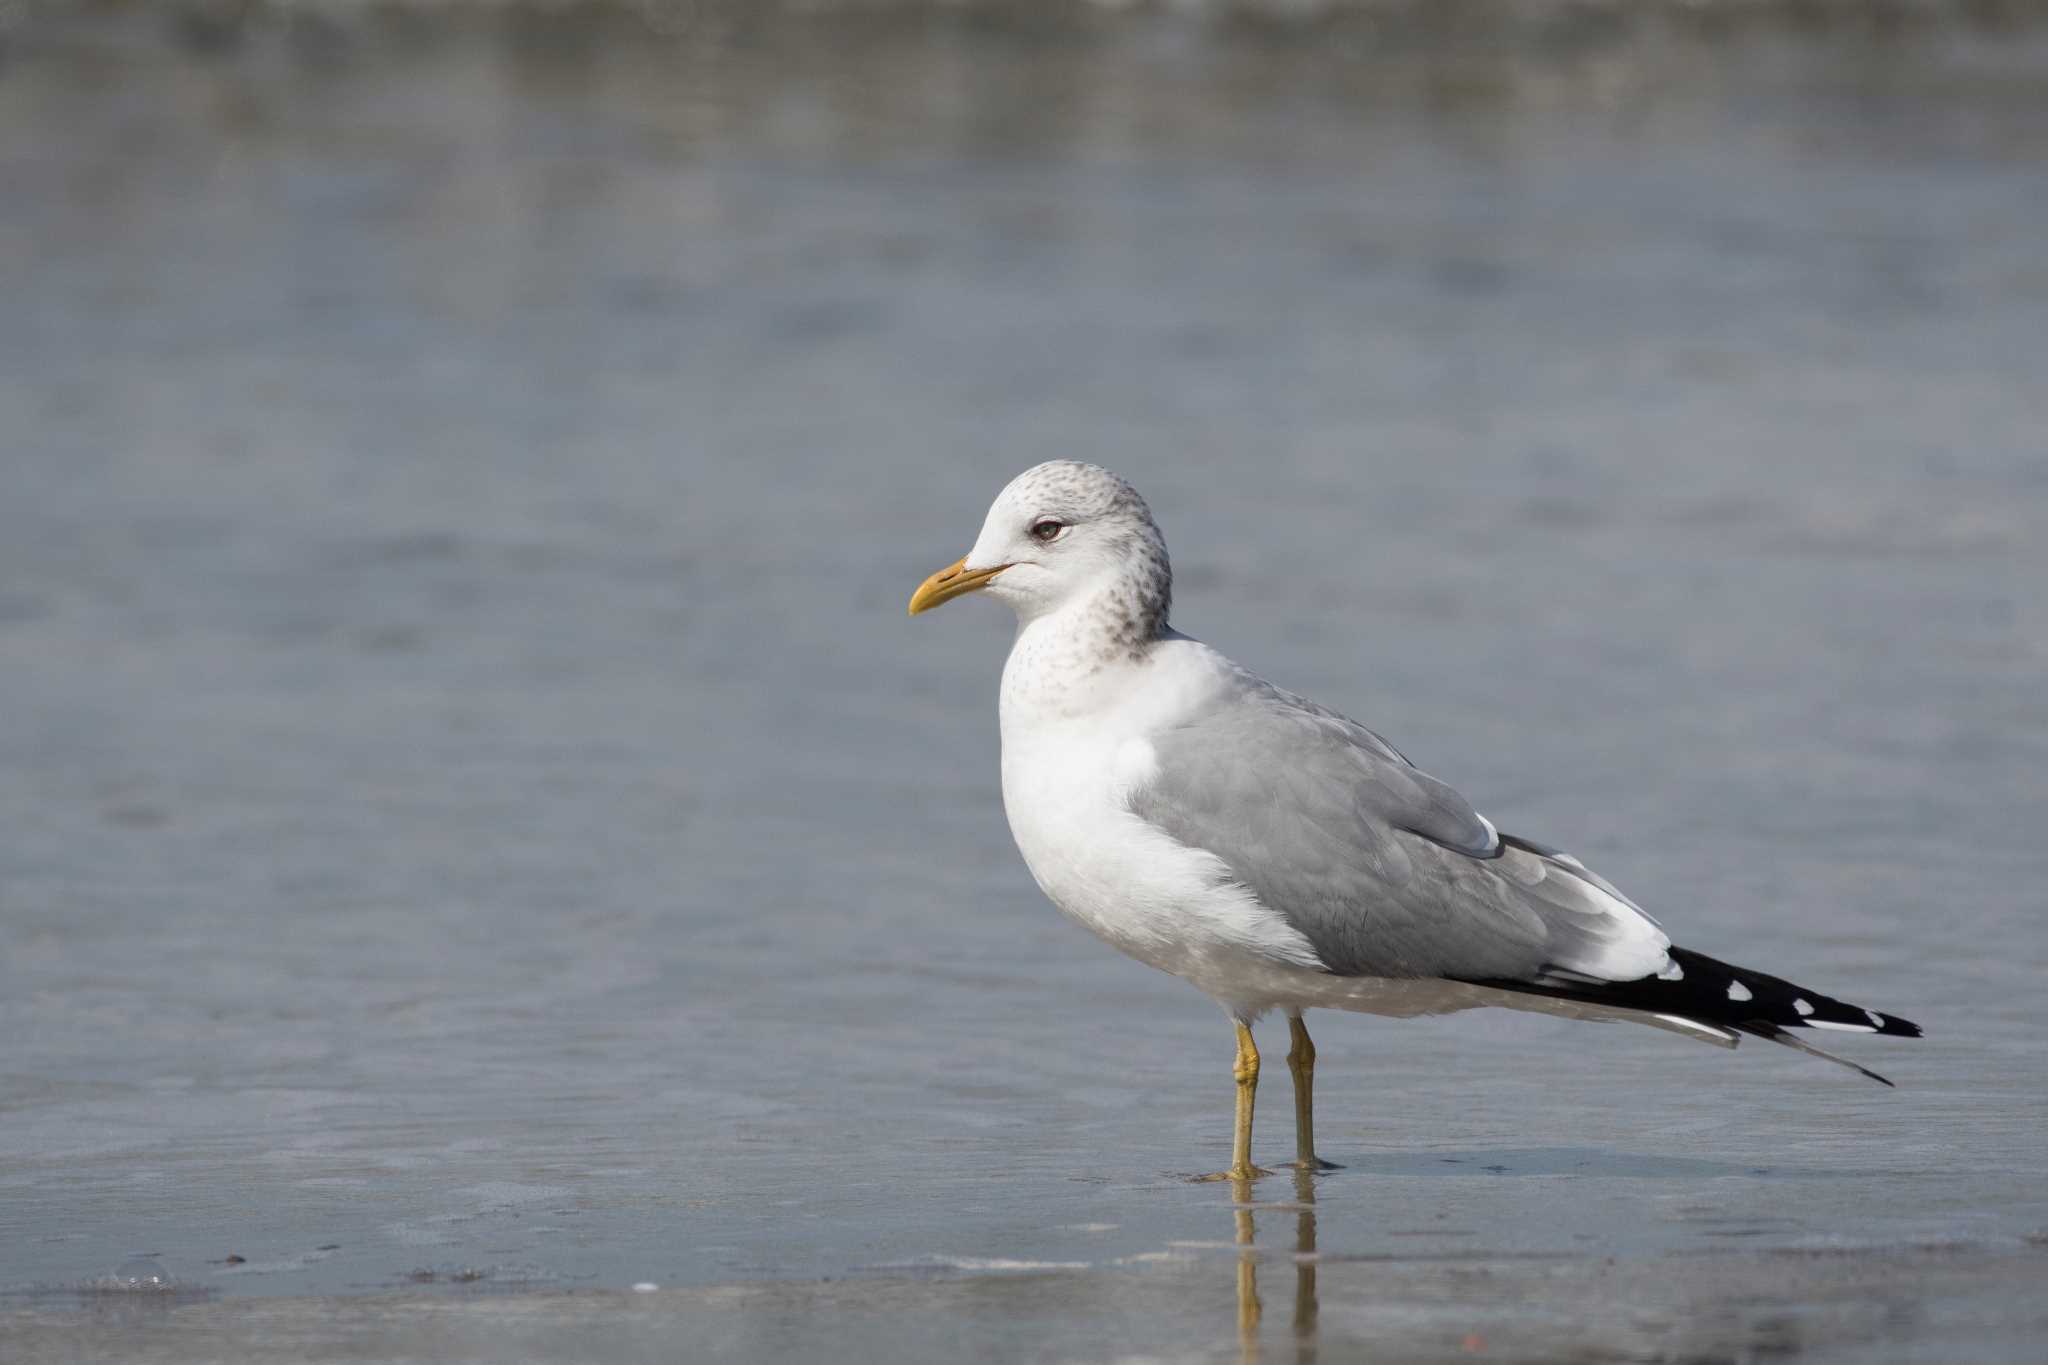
(1279,855)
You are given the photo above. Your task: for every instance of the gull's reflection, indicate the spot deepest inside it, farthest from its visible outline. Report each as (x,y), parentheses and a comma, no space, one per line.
(1250,1310)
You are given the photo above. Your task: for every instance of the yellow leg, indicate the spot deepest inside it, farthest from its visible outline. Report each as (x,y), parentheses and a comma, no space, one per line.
(1301,1061)
(1247,1073)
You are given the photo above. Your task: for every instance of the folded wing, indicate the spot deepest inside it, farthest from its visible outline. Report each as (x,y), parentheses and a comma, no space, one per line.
(1384,869)
(1388,872)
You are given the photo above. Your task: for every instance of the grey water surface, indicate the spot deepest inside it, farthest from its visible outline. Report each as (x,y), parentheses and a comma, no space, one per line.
(474,815)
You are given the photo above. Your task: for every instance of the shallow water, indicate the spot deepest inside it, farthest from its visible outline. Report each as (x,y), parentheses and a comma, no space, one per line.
(477,814)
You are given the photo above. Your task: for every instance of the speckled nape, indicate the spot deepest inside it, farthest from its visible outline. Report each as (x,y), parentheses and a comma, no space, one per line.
(1128,615)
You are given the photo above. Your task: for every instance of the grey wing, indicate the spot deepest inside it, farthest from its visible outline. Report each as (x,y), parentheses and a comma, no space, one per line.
(1384,869)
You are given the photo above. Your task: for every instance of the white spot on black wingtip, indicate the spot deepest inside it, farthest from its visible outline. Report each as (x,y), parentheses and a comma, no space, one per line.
(1738,991)
(1876,1019)
(1803,1005)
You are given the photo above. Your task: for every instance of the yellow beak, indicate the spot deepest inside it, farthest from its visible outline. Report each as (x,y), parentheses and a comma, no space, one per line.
(949,583)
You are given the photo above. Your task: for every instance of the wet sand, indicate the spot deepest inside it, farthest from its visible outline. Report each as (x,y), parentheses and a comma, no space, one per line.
(1906,1304)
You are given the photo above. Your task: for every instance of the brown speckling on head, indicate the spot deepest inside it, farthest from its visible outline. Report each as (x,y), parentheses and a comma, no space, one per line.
(1126,619)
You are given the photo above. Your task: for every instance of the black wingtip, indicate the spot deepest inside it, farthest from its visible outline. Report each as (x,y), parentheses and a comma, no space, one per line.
(1735,995)
(1717,994)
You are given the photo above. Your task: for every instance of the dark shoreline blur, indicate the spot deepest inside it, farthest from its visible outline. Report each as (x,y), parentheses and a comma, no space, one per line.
(1009,77)
(1534,33)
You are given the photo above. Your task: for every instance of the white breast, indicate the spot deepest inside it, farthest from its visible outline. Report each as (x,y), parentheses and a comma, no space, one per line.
(1069,763)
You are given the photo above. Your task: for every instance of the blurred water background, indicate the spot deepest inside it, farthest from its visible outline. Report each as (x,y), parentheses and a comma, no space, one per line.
(475,813)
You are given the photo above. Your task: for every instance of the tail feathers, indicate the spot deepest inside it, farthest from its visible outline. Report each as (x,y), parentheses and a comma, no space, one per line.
(1713,993)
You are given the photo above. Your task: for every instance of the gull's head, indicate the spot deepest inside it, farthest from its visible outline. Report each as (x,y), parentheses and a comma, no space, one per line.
(1062,532)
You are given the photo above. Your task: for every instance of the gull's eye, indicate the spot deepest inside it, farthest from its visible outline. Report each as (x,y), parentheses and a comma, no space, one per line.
(1047,529)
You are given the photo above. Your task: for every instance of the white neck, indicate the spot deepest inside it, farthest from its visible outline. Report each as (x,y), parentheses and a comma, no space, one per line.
(1074,660)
